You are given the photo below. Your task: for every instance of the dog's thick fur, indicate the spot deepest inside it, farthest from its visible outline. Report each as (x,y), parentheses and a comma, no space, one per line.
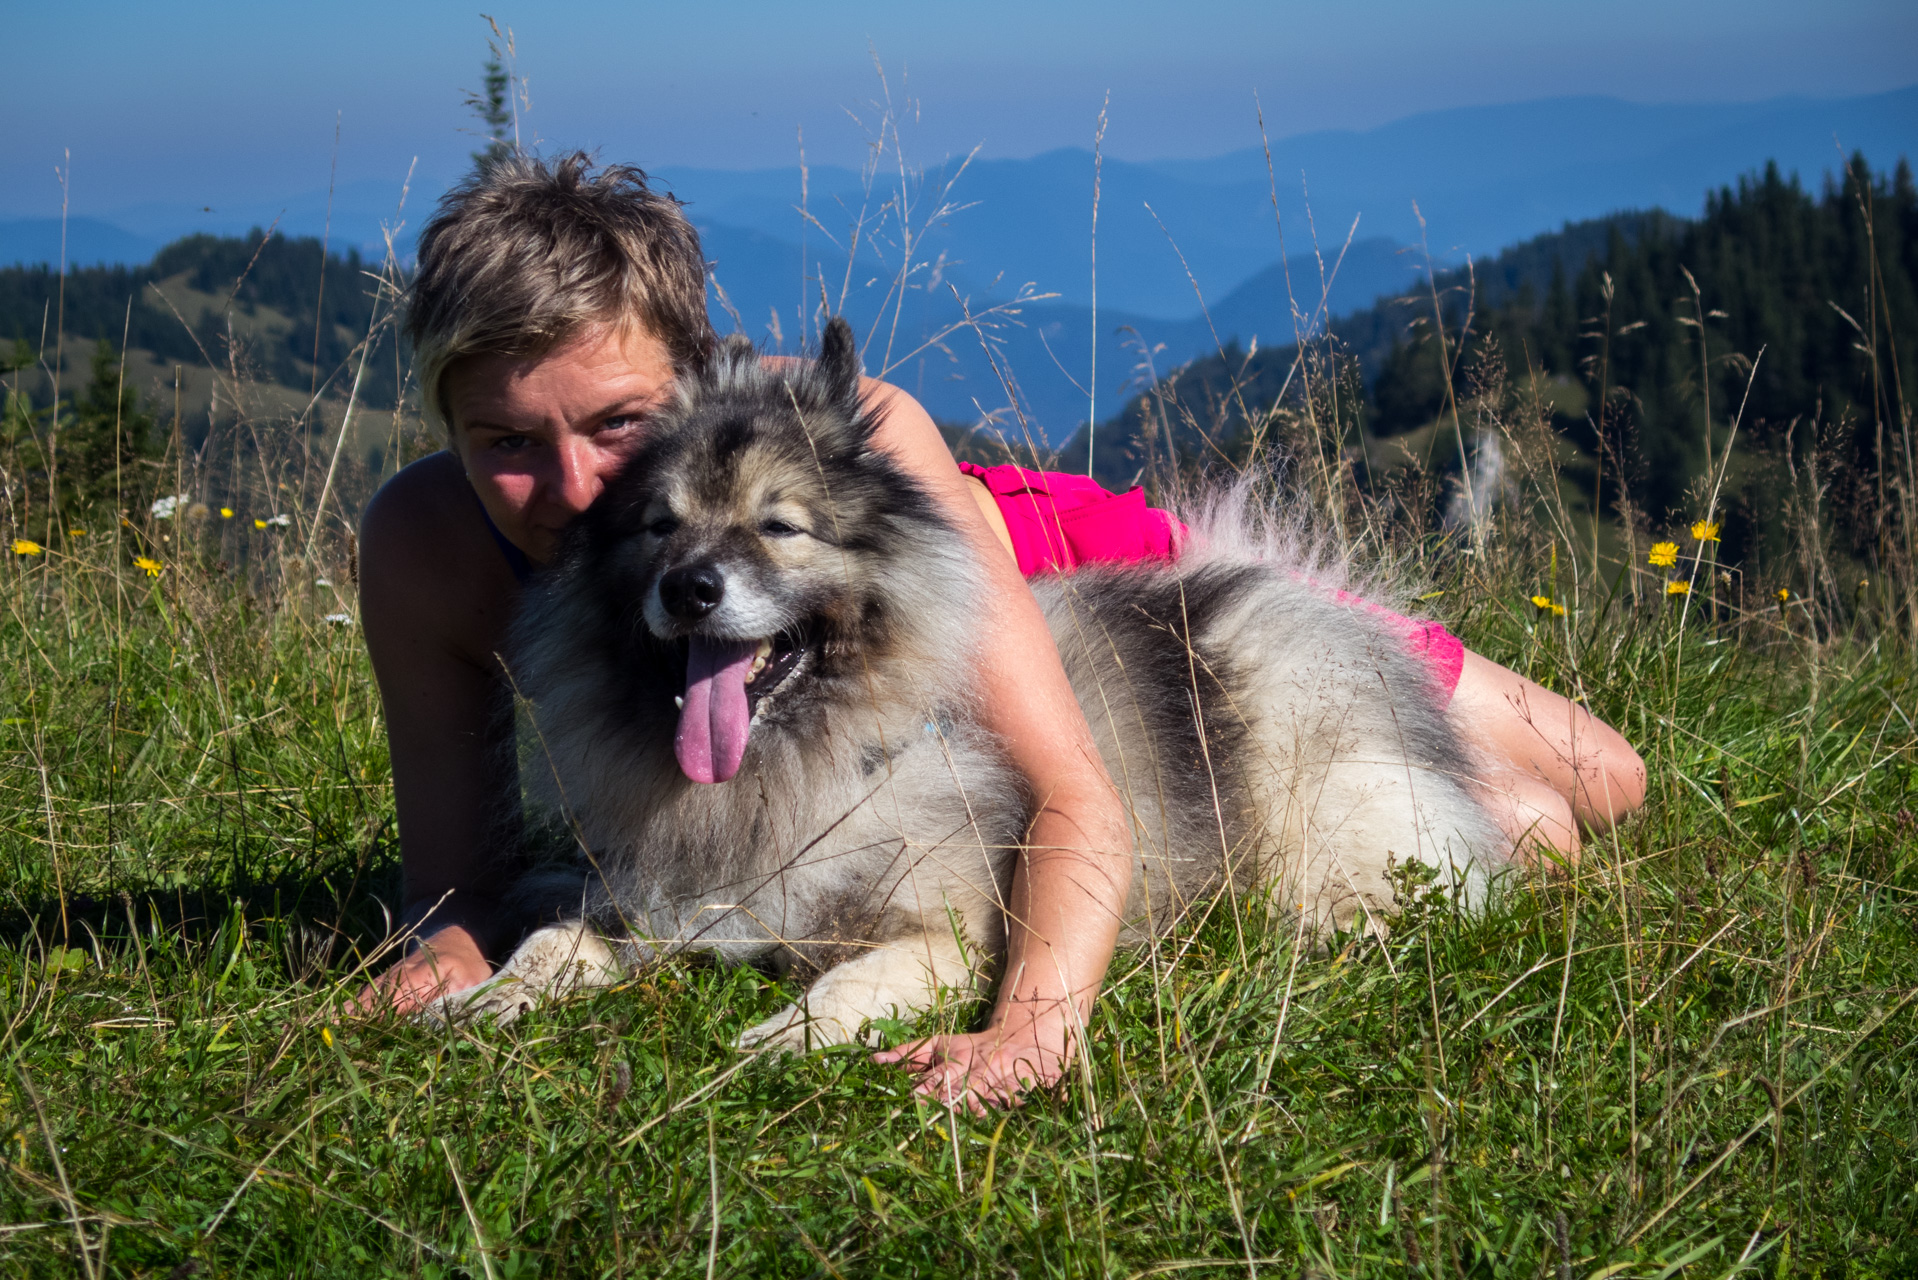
(1260,732)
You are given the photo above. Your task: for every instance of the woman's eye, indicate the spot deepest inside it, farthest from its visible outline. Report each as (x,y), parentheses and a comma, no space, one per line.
(779,529)
(624,422)
(512,443)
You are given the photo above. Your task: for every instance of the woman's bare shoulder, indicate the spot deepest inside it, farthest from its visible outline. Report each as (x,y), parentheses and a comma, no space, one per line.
(426,558)
(422,500)
(908,432)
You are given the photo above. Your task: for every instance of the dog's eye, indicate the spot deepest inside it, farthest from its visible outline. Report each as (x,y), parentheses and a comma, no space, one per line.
(779,529)
(663,527)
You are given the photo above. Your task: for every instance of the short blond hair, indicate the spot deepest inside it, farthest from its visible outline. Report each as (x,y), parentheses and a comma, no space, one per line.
(525,254)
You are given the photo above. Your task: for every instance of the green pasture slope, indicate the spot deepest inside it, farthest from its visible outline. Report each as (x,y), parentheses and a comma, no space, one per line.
(1691,1054)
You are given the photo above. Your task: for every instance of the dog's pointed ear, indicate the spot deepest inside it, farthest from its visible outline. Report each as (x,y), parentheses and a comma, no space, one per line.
(839,363)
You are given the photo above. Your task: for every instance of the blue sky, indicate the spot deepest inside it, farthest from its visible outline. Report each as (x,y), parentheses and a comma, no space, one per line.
(229,101)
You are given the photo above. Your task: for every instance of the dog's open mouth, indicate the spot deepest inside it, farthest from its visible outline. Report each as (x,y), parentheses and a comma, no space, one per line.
(726,680)
(774,662)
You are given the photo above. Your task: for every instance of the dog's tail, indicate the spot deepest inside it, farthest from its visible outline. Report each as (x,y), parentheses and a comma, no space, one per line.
(1254,518)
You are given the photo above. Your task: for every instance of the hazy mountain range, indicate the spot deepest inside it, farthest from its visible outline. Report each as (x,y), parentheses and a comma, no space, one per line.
(1168,231)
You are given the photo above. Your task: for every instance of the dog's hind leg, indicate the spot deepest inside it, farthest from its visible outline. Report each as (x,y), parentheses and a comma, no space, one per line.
(899,978)
(554,961)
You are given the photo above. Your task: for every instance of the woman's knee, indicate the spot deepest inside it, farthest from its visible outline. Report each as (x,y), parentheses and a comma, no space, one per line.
(1597,776)
(1612,785)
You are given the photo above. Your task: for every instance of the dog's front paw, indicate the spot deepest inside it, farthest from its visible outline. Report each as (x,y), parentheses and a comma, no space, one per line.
(505,996)
(784,1032)
(791,1030)
(558,960)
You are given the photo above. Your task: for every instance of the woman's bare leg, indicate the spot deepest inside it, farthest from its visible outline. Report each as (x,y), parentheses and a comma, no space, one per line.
(1557,767)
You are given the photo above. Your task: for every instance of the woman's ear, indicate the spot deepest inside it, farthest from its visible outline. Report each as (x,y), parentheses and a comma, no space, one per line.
(839,362)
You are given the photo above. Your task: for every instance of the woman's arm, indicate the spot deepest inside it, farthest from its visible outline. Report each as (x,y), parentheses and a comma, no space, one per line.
(1070,885)
(434,597)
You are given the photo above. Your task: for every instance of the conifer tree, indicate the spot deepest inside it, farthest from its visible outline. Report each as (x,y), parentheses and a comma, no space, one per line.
(493,104)
(491,107)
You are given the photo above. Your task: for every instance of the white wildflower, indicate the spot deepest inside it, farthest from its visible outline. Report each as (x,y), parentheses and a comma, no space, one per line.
(322,582)
(340,619)
(279,522)
(163,508)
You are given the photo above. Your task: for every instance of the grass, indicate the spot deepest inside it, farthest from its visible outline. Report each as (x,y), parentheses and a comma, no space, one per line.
(1691,1054)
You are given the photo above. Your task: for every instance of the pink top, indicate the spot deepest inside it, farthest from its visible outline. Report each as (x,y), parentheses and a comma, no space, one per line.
(1059,521)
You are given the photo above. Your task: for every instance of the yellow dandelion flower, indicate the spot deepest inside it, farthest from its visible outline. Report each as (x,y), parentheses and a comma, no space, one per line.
(326,1036)
(1558,611)
(153,567)
(1784,594)
(259,524)
(226,513)
(1542,602)
(1678,588)
(27,547)
(76,533)
(1664,555)
(1705,531)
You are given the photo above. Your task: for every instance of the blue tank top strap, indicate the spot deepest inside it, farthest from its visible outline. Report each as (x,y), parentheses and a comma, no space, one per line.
(515,558)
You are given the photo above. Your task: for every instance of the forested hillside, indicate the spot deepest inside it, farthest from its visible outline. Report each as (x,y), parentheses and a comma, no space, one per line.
(269,296)
(1801,317)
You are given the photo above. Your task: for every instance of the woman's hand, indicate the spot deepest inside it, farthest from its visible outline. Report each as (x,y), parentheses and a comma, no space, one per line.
(1023,1049)
(1062,924)
(448,960)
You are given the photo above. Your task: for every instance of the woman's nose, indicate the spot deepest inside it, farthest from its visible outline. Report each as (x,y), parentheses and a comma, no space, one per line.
(578,481)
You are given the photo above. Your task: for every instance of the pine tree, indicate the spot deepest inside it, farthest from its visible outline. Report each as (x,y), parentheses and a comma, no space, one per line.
(490,107)
(493,104)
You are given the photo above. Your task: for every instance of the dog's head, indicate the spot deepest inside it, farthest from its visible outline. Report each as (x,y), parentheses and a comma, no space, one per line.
(763,542)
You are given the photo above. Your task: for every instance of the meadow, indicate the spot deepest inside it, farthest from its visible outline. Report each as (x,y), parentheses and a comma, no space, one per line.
(1687,1053)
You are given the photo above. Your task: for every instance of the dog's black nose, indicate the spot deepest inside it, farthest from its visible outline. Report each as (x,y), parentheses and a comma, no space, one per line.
(692,591)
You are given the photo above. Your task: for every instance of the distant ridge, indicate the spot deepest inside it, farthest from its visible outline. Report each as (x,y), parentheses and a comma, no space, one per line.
(89,242)
(1484,178)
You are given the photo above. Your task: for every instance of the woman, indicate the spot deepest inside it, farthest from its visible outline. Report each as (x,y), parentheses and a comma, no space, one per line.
(553,308)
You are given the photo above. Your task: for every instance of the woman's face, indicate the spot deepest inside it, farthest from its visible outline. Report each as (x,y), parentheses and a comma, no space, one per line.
(540,435)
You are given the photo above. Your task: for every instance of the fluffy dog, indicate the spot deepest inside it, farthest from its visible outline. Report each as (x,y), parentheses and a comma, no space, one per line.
(749,677)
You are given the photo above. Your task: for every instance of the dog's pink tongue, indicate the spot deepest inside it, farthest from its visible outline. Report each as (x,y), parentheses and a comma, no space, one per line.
(715,720)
